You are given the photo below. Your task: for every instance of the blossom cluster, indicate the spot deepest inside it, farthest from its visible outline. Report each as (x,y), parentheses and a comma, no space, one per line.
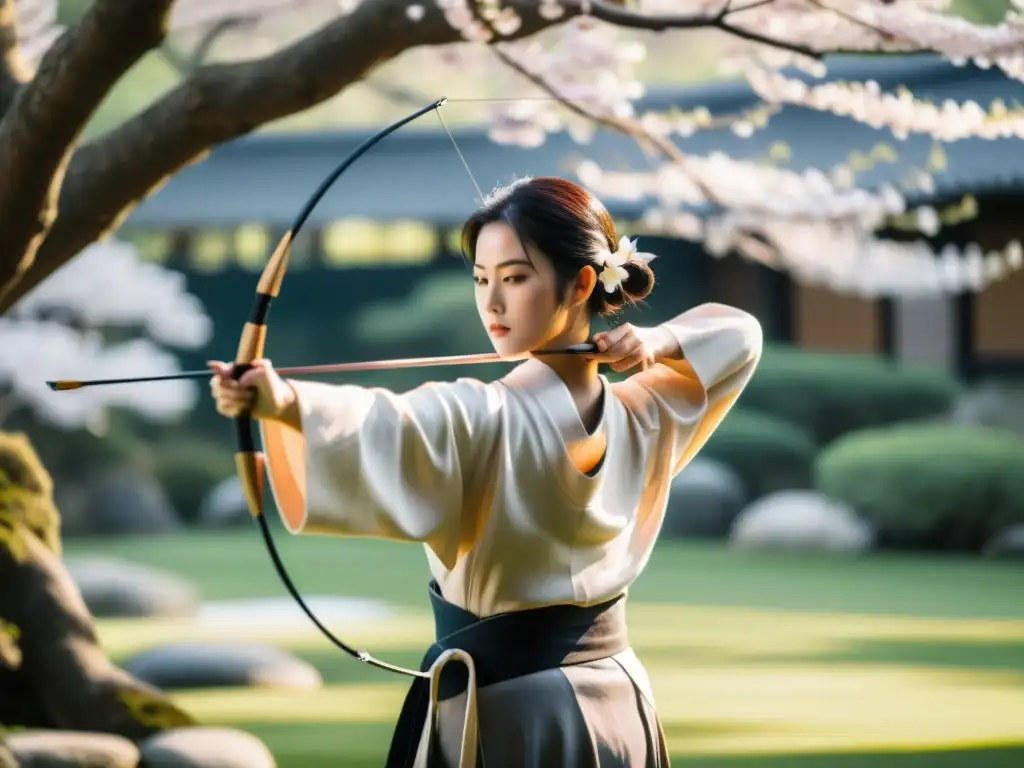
(900,112)
(592,65)
(63,328)
(805,224)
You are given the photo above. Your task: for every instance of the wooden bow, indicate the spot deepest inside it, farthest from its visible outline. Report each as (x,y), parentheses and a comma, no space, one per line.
(250,462)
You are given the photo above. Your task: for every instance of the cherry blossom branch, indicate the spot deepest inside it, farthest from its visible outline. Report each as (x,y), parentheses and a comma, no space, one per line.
(217,103)
(186,63)
(627,19)
(901,112)
(818,230)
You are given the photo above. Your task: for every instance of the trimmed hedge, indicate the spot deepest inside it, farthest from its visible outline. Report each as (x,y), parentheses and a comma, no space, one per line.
(932,486)
(832,394)
(769,454)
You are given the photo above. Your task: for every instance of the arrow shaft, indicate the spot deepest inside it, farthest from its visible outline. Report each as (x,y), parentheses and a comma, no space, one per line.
(311,370)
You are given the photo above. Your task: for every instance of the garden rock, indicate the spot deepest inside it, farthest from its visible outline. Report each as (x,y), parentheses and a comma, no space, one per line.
(224,506)
(71,749)
(1008,543)
(222,665)
(128,503)
(71,498)
(704,500)
(202,747)
(800,521)
(992,404)
(116,588)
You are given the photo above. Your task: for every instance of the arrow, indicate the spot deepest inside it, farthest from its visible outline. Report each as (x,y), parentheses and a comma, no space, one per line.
(64,385)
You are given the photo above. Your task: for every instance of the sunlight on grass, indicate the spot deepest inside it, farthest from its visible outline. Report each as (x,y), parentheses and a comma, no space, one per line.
(718,690)
(837,708)
(787,660)
(729,631)
(123,637)
(362,703)
(722,631)
(728,710)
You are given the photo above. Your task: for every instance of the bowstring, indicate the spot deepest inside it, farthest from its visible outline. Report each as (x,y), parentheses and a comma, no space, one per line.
(480,194)
(502,98)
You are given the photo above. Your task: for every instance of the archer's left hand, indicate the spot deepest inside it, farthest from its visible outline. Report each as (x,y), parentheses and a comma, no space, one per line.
(628,347)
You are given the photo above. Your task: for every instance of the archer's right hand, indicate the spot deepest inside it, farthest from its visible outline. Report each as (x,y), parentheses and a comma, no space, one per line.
(260,390)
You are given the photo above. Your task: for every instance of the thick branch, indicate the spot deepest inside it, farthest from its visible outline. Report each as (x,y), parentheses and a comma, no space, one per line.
(109,176)
(48,114)
(13,71)
(623,17)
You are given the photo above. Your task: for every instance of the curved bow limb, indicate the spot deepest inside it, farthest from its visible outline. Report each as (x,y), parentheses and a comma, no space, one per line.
(250,462)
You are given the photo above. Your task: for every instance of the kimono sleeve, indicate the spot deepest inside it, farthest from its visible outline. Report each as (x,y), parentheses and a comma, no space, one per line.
(686,400)
(372,463)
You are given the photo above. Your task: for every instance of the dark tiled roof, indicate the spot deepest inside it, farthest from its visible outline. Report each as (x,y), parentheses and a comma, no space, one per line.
(416,173)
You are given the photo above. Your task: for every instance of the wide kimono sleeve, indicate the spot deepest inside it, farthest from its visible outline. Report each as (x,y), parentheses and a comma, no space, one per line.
(372,463)
(685,400)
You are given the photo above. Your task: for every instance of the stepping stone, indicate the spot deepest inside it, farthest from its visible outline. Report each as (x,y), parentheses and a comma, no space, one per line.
(70,749)
(203,747)
(115,588)
(222,665)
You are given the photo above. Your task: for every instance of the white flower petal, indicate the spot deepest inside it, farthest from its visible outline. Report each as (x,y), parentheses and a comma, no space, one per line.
(610,278)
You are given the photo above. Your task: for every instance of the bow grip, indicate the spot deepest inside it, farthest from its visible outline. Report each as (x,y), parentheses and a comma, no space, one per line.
(249,462)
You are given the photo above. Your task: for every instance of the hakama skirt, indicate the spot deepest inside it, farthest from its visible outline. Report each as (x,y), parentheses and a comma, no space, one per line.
(553,687)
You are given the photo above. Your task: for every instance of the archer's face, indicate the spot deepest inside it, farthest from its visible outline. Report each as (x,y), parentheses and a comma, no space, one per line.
(516,294)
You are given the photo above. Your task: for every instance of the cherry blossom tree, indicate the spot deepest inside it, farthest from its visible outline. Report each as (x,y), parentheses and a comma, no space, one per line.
(58,194)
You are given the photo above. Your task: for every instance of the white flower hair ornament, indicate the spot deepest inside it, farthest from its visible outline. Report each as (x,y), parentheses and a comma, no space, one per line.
(614,264)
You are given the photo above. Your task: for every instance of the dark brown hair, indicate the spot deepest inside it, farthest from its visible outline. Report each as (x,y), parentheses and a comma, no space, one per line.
(568,225)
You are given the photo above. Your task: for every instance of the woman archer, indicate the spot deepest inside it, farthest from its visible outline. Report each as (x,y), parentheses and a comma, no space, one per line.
(538,497)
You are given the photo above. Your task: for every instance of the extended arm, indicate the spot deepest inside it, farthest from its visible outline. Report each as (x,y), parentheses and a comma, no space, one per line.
(357,461)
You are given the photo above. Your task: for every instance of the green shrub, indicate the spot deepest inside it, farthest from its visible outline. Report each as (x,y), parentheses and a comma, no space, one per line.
(936,486)
(188,470)
(768,453)
(832,394)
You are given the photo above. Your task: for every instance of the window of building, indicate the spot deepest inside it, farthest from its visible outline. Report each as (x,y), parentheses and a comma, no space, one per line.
(153,245)
(252,245)
(211,250)
(364,242)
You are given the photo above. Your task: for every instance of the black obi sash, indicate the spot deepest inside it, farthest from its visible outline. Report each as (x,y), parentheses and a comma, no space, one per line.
(504,647)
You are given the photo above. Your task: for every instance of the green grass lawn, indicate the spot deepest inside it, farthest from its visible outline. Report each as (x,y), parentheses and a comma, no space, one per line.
(757,660)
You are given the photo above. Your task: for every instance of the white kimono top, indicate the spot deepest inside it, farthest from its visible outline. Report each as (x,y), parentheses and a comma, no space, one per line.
(480,473)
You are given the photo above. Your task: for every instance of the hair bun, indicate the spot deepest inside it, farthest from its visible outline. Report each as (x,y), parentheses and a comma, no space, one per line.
(639,280)
(637,285)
